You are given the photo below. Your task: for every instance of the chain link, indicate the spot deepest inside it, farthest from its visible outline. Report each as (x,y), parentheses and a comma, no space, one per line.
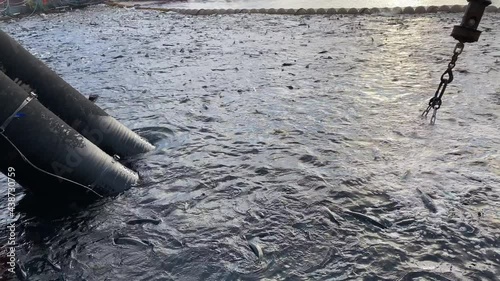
(447,77)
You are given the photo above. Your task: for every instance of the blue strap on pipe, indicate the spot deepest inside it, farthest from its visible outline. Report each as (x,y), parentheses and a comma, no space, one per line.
(6,123)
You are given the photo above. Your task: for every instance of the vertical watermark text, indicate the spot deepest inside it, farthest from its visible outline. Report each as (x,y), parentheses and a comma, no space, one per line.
(11,226)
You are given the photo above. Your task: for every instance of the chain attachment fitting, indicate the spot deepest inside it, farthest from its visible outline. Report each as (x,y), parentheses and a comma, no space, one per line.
(447,77)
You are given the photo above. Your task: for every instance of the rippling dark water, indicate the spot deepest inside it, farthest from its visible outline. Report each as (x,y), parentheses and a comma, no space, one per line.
(323,164)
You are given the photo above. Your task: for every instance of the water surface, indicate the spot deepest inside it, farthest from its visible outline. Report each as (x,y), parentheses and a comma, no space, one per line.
(298,134)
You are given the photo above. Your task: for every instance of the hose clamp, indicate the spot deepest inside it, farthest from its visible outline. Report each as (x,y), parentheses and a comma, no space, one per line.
(6,123)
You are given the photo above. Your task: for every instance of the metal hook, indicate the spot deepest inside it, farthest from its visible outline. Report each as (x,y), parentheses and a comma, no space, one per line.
(426,112)
(434,116)
(450,76)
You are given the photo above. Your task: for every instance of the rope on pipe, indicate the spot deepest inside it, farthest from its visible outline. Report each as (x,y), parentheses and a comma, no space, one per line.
(321,11)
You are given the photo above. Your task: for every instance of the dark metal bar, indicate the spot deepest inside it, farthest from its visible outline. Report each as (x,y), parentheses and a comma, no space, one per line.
(467,31)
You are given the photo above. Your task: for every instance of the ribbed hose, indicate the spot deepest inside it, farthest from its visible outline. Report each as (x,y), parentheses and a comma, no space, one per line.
(67,103)
(48,155)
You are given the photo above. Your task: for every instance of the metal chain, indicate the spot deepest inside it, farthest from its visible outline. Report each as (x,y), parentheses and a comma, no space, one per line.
(446,78)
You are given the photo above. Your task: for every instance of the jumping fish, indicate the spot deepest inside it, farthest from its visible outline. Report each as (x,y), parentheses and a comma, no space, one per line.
(21,273)
(256,249)
(131,241)
(418,274)
(331,215)
(144,221)
(366,219)
(428,203)
(405,222)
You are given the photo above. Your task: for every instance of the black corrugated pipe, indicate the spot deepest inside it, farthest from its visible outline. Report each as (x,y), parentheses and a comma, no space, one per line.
(49,156)
(67,103)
